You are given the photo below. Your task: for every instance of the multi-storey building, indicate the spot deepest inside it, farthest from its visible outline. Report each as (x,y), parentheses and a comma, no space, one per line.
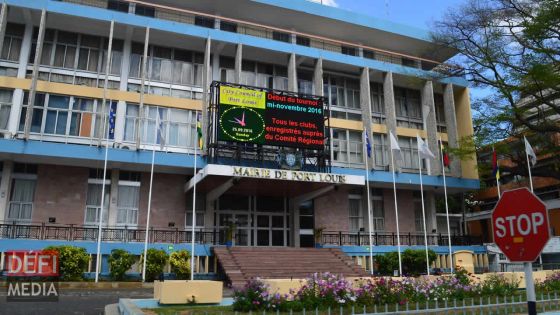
(55,98)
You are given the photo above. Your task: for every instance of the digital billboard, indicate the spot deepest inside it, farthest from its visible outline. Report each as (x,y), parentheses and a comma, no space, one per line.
(270,118)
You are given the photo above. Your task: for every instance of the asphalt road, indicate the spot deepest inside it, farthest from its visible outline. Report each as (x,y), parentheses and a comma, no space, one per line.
(72,301)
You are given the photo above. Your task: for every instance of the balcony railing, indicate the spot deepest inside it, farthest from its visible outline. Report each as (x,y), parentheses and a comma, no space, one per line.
(389,238)
(71,232)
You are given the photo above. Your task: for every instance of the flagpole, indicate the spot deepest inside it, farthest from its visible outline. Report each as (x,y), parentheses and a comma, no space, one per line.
(528,166)
(370,222)
(150,201)
(446,206)
(396,214)
(194,202)
(99,257)
(423,212)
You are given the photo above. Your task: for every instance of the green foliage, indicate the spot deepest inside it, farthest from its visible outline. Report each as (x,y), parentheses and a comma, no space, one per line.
(73,261)
(499,285)
(180,264)
(120,262)
(157,258)
(551,283)
(413,262)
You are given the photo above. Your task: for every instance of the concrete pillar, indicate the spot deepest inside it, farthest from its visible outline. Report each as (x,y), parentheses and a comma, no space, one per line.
(451,119)
(5,188)
(293,209)
(35,74)
(430,126)
(389,99)
(365,104)
(292,74)
(215,67)
(318,78)
(431,217)
(238,63)
(123,86)
(114,197)
(17,98)
(3,23)
(142,84)
(206,75)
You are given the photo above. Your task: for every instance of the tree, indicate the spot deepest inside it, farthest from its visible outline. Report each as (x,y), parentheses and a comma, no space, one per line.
(120,262)
(512,48)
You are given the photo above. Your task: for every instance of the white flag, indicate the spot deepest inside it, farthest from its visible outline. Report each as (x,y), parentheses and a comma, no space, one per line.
(395,147)
(530,152)
(423,149)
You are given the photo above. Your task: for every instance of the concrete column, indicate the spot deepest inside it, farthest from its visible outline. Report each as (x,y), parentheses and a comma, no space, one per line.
(238,63)
(318,78)
(142,84)
(293,209)
(35,74)
(431,217)
(206,75)
(389,100)
(123,86)
(3,23)
(17,98)
(451,119)
(5,188)
(114,197)
(430,126)
(215,67)
(292,73)
(365,103)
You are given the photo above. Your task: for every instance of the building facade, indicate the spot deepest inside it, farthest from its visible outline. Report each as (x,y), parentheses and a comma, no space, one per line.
(57,89)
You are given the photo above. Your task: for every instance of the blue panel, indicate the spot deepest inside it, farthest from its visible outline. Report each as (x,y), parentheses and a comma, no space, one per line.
(106,248)
(349,17)
(196,31)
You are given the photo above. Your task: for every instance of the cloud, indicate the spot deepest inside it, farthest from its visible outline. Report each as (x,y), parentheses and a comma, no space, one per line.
(331,3)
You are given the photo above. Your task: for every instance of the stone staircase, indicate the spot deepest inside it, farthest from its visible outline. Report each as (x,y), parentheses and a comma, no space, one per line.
(244,263)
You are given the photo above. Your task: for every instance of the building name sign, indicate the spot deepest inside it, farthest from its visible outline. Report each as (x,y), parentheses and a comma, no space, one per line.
(289,175)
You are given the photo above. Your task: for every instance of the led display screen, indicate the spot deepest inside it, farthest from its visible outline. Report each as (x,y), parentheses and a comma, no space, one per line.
(270,118)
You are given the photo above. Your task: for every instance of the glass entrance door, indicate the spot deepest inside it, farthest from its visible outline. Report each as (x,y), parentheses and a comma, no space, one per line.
(271,230)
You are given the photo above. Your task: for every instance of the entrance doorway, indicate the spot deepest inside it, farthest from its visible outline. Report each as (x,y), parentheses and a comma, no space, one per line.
(306,224)
(257,220)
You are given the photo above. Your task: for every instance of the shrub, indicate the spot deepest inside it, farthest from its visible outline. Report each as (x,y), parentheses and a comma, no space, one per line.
(157,258)
(73,261)
(323,290)
(413,262)
(253,296)
(499,285)
(180,264)
(120,262)
(551,283)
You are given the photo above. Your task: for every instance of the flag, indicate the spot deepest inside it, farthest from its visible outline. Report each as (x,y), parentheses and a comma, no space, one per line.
(161,133)
(423,149)
(395,148)
(199,130)
(445,154)
(368,144)
(112,110)
(495,167)
(530,152)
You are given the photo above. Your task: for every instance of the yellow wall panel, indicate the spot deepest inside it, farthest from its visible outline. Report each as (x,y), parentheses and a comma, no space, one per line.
(465,128)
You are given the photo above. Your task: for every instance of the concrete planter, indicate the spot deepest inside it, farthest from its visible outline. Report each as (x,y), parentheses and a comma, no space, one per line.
(184,292)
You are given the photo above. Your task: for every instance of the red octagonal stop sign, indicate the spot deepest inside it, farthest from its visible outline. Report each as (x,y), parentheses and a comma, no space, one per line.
(520,225)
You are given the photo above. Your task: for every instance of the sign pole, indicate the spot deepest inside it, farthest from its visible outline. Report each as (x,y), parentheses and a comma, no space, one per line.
(530,287)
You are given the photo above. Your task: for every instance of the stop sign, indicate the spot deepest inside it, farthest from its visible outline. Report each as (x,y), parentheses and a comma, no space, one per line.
(520,225)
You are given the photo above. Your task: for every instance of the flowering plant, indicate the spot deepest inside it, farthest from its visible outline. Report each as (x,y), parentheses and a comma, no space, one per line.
(325,290)
(551,283)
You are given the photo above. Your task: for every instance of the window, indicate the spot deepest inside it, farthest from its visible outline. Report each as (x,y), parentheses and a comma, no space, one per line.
(440,113)
(281,36)
(378,211)
(89,53)
(57,114)
(305,82)
(347,146)
(93,202)
(200,206)
(12,42)
(131,117)
(408,108)
(368,54)
(117,5)
(410,63)
(130,176)
(303,41)
(5,107)
(127,203)
(116,56)
(409,152)
(380,152)
(377,103)
(418,217)
(21,199)
(349,51)
(145,10)
(204,21)
(24,168)
(343,94)
(65,50)
(356,218)
(228,26)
